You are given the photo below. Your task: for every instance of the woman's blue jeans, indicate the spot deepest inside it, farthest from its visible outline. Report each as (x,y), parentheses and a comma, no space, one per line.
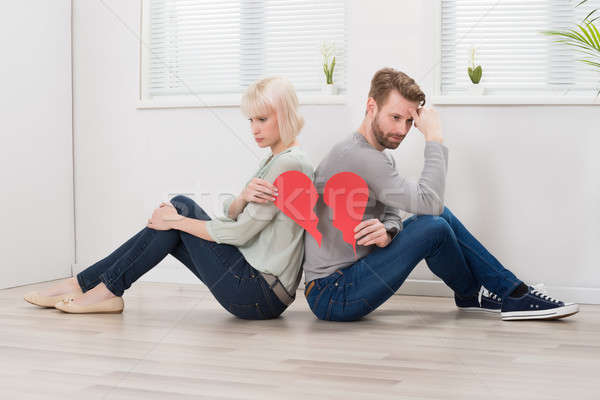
(238,286)
(451,252)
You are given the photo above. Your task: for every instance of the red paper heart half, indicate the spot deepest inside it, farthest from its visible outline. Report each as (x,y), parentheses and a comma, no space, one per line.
(347,194)
(296,199)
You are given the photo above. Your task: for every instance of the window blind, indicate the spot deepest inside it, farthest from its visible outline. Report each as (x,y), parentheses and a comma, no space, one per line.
(220,47)
(515,56)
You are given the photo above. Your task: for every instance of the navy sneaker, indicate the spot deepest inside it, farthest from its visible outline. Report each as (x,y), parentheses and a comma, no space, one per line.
(536,304)
(484,301)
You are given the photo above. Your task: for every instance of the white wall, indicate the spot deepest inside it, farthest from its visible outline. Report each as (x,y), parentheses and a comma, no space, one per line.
(524,179)
(36,163)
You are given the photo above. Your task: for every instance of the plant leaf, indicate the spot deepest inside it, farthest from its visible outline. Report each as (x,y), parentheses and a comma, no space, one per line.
(590,14)
(591,41)
(594,31)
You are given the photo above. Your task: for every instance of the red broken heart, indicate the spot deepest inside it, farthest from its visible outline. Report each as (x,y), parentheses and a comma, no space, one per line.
(345,192)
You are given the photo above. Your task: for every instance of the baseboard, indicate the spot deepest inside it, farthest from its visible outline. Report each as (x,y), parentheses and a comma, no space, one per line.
(172,271)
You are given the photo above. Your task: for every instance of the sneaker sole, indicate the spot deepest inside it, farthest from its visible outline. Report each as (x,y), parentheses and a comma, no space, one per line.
(554,313)
(479,309)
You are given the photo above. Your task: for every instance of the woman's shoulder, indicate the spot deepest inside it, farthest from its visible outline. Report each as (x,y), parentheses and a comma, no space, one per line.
(294,160)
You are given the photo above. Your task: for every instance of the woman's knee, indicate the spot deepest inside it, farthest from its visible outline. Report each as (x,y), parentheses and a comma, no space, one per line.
(188,207)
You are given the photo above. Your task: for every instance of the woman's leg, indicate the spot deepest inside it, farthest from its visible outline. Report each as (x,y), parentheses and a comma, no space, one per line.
(236,285)
(90,277)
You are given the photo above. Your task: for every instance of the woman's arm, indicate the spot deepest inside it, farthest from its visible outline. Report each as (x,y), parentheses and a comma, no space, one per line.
(257,191)
(196,227)
(166,217)
(236,207)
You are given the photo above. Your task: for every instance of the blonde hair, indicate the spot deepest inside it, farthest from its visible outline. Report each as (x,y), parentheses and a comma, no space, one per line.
(275,94)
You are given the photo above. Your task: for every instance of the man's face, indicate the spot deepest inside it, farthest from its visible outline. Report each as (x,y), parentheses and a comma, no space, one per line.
(393,120)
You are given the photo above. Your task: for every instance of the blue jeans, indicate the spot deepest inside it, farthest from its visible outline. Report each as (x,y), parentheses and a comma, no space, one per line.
(451,252)
(238,286)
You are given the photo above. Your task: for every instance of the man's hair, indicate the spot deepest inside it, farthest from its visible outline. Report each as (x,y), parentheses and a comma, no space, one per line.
(387,79)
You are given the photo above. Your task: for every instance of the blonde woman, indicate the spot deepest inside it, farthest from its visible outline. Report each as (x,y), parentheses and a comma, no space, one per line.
(250,260)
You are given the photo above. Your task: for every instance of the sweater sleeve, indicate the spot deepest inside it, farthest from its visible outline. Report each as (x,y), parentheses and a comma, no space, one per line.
(227,204)
(256,216)
(392,220)
(422,196)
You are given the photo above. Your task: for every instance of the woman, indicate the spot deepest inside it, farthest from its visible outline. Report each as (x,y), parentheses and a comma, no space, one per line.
(250,260)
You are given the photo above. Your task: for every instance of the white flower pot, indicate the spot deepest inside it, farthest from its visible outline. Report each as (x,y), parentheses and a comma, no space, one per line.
(476,89)
(329,89)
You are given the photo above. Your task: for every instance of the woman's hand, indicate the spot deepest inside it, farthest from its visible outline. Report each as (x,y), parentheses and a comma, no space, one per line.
(259,191)
(163,216)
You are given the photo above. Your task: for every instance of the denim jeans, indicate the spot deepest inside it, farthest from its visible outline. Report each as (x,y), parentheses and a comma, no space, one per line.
(237,285)
(450,251)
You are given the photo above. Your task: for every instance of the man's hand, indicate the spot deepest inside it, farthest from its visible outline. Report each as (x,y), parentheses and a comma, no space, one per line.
(427,120)
(371,231)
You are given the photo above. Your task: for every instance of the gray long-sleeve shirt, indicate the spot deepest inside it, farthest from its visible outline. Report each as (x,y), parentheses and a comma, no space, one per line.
(389,193)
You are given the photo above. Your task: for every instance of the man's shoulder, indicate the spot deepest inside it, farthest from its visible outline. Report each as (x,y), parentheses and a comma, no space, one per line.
(353,155)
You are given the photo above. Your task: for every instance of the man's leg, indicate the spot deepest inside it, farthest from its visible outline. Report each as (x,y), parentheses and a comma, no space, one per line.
(486,268)
(362,287)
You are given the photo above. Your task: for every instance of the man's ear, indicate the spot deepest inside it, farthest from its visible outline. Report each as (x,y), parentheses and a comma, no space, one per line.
(371,107)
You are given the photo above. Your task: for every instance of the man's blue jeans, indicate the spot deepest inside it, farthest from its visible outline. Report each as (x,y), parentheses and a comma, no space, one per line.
(451,252)
(237,285)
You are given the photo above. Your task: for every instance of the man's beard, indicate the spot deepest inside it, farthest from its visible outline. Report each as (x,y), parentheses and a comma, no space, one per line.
(380,136)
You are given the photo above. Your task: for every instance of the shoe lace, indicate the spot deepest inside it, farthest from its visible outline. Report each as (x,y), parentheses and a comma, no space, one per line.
(539,290)
(540,287)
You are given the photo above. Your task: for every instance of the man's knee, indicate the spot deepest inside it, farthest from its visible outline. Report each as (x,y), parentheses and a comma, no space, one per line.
(437,225)
(446,214)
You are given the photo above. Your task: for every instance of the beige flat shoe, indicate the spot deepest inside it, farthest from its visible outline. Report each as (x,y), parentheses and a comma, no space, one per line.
(48,301)
(114,305)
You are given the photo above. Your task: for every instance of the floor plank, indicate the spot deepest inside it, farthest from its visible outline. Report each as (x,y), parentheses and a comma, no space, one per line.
(174,341)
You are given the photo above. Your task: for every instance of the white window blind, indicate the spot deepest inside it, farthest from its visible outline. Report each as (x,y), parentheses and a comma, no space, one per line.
(515,56)
(220,47)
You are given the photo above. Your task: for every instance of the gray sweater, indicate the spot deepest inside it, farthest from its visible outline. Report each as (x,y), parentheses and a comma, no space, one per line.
(389,192)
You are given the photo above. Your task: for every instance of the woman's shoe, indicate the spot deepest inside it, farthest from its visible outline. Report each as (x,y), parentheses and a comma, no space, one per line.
(114,305)
(48,301)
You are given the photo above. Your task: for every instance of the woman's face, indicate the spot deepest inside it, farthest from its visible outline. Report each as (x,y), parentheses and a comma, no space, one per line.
(265,129)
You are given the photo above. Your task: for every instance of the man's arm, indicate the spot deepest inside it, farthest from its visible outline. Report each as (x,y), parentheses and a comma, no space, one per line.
(391,219)
(422,196)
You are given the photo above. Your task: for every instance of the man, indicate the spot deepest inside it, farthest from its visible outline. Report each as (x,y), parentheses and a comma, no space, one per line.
(342,286)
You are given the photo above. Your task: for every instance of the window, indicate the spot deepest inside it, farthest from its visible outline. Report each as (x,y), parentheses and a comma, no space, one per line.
(515,57)
(202,47)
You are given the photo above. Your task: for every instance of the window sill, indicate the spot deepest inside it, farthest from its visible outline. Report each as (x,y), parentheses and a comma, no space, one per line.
(228,101)
(515,100)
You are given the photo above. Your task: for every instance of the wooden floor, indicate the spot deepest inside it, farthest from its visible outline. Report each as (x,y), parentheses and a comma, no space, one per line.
(174,341)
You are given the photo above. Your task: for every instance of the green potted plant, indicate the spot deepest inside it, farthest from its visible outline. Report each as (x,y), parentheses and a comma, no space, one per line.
(586,39)
(328,53)
(475,72)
